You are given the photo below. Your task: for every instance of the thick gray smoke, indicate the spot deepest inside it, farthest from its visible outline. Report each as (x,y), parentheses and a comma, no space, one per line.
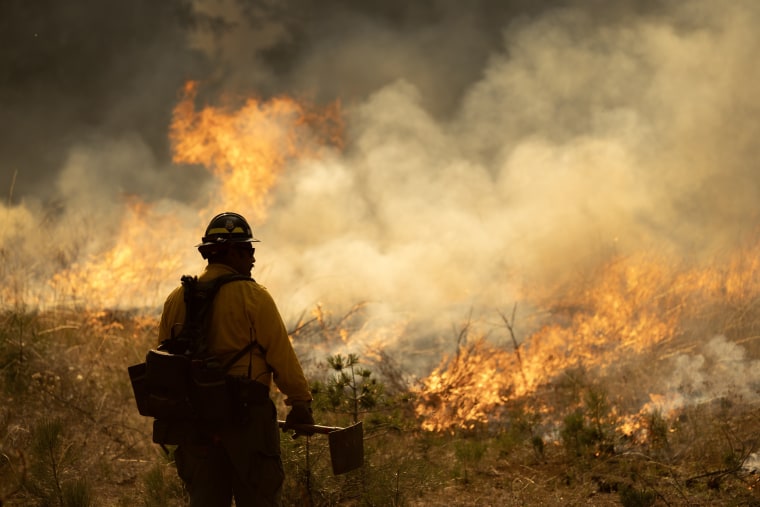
(489,145)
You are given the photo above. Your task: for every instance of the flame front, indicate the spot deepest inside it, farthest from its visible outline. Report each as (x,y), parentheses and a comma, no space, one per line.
(244,150)
(141,257)
(639,313)
(637,309)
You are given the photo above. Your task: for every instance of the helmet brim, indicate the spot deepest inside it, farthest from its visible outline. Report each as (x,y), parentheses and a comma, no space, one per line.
(226,241)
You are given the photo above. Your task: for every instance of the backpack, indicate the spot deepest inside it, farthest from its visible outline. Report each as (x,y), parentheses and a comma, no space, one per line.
(179,384)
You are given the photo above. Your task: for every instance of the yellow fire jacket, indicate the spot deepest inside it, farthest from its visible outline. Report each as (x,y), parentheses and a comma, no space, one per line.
(244,312)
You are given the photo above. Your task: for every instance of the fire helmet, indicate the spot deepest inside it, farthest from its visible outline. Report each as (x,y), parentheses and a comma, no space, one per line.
(223,230)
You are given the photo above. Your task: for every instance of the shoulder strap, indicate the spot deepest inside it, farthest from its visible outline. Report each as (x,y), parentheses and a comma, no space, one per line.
(202,306)
(198,297)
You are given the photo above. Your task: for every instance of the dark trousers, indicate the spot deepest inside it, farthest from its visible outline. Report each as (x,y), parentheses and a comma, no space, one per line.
(240,460)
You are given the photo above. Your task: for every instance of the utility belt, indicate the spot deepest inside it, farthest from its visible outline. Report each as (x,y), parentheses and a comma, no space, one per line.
(242,396)
(245,392)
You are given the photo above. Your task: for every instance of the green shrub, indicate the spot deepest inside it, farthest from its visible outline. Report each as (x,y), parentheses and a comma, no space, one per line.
(50,456)
(469,451)
(632,497)
(588,430)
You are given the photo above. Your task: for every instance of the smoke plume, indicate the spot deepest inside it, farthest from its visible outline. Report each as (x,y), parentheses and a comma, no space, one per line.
(489,147)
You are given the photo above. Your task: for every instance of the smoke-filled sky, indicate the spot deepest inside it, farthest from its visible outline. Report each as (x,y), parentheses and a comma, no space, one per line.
(489,145)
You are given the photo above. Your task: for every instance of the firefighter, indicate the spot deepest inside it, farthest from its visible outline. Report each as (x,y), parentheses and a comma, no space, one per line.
(240,457)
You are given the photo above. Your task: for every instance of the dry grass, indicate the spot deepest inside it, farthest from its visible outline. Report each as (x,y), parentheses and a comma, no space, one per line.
(71,436)
(583,433)
(67,420)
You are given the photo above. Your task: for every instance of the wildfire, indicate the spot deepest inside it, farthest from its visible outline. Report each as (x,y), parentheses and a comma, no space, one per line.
(140,257)
(466,390)
(244,150)
(638,314)
(637,311)
(247,148)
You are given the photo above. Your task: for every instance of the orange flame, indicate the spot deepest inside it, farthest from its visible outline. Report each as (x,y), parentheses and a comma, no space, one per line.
(466,389)
(140,258)
(246,149)
(638,310)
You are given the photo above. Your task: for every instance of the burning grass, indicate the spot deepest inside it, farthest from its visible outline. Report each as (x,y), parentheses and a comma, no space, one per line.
(639,388)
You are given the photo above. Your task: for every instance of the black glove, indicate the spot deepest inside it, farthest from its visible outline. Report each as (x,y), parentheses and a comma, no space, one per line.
(300,413)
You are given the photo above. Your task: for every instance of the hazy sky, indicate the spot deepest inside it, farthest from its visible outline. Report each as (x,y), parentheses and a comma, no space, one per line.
(489,145)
